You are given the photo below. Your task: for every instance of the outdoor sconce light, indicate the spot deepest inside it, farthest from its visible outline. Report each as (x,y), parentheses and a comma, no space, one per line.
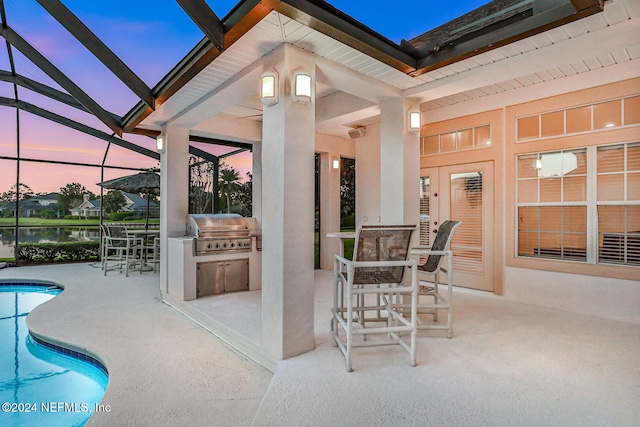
(302,90)
(161,144)
(335,163)
(414,121)
(269,88)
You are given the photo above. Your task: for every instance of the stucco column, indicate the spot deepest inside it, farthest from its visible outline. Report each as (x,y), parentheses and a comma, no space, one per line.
(399,164)
(287,212)
(174,193)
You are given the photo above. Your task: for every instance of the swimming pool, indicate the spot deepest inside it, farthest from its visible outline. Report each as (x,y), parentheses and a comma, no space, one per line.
(39,385)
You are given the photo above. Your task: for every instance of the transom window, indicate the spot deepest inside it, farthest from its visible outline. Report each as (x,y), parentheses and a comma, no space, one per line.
(586,118)
(458,140)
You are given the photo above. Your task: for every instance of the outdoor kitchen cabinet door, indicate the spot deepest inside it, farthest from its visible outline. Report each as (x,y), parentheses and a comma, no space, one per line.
(217,277)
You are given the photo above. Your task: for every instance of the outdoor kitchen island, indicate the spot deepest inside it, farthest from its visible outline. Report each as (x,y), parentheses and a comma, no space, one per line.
(215,279)
(218,255)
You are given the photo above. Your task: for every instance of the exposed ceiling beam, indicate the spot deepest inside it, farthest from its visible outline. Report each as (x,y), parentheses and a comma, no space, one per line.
(200,13)
(45,114)
(202,154)
(85,36)
(42,89)
(59,77)
(243,18)
(243,145)
(195,138)
(233,153)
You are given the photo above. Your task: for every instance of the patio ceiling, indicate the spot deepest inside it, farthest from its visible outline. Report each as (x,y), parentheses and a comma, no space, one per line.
(496,48)
(348,78)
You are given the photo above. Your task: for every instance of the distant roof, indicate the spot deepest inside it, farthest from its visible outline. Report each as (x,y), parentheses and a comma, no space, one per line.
(48,196)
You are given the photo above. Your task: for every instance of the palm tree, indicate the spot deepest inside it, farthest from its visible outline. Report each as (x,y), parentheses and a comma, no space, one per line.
(228,183)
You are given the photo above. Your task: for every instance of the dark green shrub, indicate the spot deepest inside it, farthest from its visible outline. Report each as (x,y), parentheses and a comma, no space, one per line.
(48,214)
(119,216)
(348,221)
(41,253)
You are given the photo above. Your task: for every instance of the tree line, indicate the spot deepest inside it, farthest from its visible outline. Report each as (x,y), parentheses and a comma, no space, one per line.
(233,195)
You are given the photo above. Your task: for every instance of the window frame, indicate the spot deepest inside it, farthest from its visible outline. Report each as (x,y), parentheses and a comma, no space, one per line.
(591,203)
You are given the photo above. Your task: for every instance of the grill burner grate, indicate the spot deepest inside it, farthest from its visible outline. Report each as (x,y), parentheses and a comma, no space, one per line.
(219,233)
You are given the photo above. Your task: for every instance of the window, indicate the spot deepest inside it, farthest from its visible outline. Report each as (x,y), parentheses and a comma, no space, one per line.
(556,205)
(618,182)
(552,205)
(459,140)
(604,115)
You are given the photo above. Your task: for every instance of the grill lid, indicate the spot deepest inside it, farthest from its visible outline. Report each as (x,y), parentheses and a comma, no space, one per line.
(209,225)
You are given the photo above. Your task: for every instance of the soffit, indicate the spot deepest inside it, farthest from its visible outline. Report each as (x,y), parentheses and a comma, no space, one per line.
(598,41)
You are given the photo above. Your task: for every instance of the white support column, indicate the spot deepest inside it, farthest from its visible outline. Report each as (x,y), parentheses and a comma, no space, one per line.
(174,193)
(399,164)
(287,211)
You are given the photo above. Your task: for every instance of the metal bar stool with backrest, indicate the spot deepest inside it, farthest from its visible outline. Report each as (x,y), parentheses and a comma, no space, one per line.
(377,269)
(432,268)
(120,249)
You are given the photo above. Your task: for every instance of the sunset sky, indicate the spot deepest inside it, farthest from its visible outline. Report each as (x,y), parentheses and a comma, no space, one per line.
(150,36)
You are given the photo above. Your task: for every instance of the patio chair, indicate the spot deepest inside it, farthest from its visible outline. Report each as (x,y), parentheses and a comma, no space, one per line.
(119,248)
(430,288)
(377,270)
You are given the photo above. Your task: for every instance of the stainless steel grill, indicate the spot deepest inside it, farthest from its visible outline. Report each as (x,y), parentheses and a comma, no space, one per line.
(219,233)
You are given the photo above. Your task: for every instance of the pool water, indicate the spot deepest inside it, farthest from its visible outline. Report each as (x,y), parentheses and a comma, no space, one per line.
(40,386)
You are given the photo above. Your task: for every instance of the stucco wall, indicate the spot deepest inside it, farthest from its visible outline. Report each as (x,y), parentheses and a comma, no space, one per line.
(598,296)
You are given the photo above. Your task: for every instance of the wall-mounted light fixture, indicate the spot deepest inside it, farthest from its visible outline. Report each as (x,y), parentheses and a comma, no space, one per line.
(302,87)
(414,120)
(335,163)
(269,88)
(161,143)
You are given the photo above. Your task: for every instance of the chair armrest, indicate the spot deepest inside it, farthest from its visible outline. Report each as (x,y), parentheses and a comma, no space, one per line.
(421,251)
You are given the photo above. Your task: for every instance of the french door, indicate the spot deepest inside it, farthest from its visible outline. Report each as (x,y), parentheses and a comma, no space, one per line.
(463,193)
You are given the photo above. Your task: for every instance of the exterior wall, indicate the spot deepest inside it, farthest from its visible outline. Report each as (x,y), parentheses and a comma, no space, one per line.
(368,177)
(603,290)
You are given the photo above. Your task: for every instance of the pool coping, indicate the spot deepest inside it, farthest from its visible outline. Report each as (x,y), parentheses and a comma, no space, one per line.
(54,345)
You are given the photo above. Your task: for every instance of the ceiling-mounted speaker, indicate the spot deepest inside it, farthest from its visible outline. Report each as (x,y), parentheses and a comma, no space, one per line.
(357,132)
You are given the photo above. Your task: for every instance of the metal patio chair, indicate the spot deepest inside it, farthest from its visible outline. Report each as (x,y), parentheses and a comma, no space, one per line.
(431,269)
(377,270)
(120,249)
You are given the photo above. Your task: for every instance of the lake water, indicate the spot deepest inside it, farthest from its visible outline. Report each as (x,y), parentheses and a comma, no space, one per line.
(44,235)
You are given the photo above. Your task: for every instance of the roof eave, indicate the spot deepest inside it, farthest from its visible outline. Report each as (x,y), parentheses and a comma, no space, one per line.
(518,31)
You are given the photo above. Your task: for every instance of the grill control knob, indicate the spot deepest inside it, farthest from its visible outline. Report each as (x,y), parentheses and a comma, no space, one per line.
(209,246)
(217,245)
(224,245)
(233,245)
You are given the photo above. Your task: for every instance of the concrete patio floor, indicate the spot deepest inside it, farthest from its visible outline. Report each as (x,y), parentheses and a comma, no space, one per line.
(508,364)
